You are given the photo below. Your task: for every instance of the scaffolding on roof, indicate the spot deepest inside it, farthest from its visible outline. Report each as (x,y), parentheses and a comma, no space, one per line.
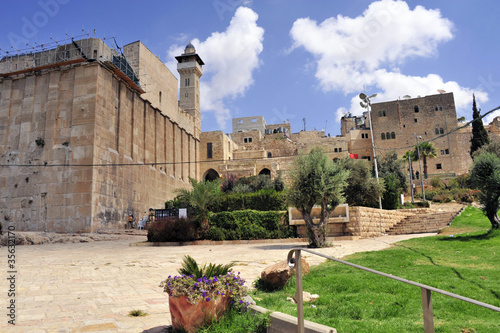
(70,50)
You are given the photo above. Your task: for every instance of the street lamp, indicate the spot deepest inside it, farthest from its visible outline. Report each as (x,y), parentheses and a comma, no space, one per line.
(420,166)
(366,104)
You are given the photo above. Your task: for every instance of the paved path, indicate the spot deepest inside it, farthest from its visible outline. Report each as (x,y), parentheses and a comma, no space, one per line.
(91,287)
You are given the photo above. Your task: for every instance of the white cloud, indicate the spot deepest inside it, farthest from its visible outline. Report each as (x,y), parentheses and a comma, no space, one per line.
(365,51)
(230,57)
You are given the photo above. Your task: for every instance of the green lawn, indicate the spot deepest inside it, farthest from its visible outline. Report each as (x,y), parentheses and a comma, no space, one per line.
(352,300)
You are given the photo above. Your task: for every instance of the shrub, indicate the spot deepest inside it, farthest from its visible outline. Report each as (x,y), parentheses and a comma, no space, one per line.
(437,182)
(248,224)
(172,230)
(264,200)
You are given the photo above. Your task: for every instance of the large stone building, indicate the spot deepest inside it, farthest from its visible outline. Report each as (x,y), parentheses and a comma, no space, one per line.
(89,134)
(255,147)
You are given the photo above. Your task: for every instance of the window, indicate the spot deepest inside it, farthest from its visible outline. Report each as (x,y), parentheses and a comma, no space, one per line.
(387,136)
(383,136)
(159,97)
(269,155)
(229,146)
(340,150)
(438,166)
(447,151)
(335,150)
(441,131)
(381,113)
(254,120)
(436,131)
(209,150)
(442,152)
(247,140)
(186,95)
(416,109)
(95,54)
(393,135)
(366,158)
(416,120)
(438,108)
(186,82)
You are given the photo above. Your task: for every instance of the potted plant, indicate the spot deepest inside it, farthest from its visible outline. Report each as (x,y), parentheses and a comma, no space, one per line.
(200,295)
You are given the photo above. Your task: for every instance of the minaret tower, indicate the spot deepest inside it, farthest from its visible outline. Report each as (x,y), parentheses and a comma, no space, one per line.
(189,67)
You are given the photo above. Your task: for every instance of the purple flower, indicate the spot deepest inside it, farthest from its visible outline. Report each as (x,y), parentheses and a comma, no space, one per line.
(208,299)
(241,301)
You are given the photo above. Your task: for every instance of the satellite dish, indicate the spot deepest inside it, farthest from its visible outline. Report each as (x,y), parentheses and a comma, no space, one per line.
(362,96)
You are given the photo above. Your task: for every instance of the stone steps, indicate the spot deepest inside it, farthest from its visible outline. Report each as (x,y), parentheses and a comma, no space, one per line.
(423,223)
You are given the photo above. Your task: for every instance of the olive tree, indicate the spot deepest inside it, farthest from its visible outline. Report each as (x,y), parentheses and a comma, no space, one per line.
(316,180)
(485,176)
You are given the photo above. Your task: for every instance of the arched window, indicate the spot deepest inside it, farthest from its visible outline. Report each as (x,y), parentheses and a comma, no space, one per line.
(436,130)
(415,108)
(380,113)
(383,136)
(388,136)
(441,131)
(393,135)
(269,154)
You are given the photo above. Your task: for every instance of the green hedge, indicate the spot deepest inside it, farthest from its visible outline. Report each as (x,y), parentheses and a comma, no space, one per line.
(263,200)
(248,224)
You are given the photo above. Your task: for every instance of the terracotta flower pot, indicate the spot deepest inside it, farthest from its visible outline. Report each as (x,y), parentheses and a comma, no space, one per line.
(192,316)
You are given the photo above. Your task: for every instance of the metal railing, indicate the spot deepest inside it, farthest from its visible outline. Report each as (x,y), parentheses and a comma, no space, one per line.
(426,290)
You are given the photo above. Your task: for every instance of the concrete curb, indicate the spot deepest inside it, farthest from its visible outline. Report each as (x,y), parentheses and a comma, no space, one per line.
(283,323)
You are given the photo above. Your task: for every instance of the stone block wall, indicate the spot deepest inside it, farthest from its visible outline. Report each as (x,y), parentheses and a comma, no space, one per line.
(82,150)
(371,222)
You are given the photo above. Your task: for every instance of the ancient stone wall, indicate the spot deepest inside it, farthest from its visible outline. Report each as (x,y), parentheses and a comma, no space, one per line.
(85,150)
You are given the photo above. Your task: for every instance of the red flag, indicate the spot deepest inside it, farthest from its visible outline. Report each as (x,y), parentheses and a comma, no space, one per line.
(355,156)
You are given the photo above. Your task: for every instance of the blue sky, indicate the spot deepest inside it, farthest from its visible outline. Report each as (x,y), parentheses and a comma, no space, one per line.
(293,59)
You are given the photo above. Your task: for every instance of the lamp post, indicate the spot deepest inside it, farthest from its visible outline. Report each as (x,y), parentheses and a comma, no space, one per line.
(366,104)
(441,92)
(420,166)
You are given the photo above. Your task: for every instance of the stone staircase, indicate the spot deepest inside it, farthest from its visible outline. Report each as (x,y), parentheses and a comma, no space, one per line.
(431,221)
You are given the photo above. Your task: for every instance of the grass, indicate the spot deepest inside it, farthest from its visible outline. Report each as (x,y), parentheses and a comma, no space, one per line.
(238,321)
(352,300)
(137,313)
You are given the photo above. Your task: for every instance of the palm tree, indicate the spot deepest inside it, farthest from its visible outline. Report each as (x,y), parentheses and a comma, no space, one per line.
(200,197)
(427,150)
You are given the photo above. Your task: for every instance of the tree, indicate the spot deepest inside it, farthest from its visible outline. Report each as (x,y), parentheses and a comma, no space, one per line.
(485,176)
(316,180)
(492,147)
(392,170)
(362,189)
(479,134)
(200,197)
(427,150)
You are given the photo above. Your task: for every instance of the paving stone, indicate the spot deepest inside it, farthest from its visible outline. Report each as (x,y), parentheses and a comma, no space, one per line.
(78,287)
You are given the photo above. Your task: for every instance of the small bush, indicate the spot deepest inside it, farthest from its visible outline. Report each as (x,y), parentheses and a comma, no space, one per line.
(137,313)
(437,182)
(172,230)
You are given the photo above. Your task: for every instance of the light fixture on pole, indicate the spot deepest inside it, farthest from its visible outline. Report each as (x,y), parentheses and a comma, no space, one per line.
(366,104)
(420,166)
